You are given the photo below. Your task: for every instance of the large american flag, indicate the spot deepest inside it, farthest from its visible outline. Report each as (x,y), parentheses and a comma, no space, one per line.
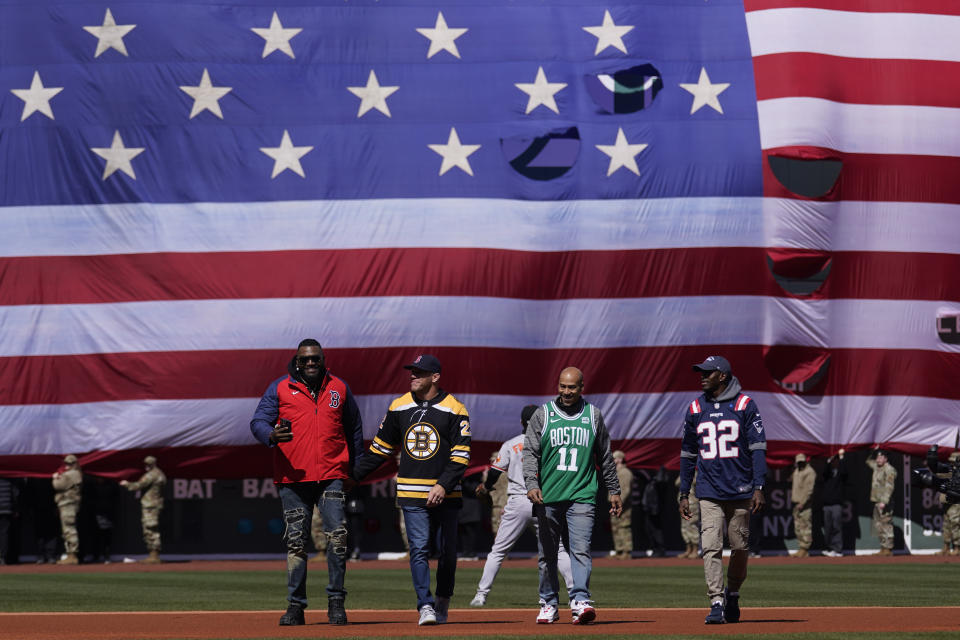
(189,189)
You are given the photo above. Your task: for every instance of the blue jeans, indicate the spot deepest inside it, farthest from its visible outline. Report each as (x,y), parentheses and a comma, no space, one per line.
(298,500)
(418,521)
(571,522)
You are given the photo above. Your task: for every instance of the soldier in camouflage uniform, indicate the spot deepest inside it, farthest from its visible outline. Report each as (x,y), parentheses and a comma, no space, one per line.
(881,494)
(318,536)
(690,529)
(951,520)
(622,527)
(803,480)
(150,485)
(499,496)
(67,482)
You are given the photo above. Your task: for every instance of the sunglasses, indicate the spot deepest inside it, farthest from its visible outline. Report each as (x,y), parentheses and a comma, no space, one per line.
(309,359)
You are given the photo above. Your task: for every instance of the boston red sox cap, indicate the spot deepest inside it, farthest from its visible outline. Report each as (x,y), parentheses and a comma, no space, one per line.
(713,363)
(426,362)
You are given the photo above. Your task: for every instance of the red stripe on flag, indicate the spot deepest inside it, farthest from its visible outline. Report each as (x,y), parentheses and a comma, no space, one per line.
(857,80)
(466,272)
(876,177)
(201,374)
(946,7)
(255,461)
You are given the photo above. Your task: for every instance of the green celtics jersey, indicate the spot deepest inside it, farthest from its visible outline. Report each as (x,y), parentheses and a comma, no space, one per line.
(567,469)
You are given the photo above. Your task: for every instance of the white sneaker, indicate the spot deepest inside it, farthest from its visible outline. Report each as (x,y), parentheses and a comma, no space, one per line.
(479,600)
(442,608)
(583,612)
(427,616)
(548,614)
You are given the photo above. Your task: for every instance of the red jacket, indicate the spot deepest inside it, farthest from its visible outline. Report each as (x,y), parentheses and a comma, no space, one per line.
(327,430)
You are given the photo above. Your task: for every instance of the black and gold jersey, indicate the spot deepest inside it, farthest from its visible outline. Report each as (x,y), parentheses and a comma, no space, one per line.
(433,439)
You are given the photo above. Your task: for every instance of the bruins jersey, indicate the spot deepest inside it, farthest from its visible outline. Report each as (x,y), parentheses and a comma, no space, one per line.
(433,439)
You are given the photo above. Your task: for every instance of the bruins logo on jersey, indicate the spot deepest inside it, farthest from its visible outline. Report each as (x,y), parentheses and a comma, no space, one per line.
(421,441)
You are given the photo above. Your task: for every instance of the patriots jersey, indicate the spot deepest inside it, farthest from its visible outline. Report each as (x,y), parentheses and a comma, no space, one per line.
(726,443)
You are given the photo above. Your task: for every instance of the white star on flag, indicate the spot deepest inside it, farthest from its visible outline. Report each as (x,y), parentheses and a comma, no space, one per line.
(454,154)
(118,157)
(609,34)
(373,96)
(36,98)
(442,37)
(622,153)
(704,93)
(206,96)
(541,92)
(276,37)
(109,35)
(286,156)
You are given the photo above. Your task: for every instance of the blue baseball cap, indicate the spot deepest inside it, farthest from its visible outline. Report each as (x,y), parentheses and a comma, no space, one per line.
(424,362)
(713,363)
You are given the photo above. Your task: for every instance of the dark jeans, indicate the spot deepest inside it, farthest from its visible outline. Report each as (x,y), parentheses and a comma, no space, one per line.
(418,521)
(833,527)
(298,500)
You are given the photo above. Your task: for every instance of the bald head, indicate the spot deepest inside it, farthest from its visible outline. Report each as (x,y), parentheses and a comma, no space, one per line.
(570,387)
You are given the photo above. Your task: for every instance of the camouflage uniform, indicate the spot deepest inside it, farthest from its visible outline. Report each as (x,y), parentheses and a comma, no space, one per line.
(622,528)
(499,496)
(951,520)
(150,485)
(66,487)
(690,529)
(881,492)
(803,480)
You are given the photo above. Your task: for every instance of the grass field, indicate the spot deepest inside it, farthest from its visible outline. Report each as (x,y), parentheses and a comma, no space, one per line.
(781,585)
(816,585)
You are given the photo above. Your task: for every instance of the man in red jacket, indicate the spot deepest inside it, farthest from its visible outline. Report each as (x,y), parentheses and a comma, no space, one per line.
(311,421)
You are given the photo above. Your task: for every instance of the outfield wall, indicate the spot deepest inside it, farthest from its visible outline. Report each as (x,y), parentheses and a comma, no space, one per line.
(242,516)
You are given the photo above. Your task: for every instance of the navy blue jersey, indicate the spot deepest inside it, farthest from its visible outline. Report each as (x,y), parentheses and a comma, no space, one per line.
(726,443)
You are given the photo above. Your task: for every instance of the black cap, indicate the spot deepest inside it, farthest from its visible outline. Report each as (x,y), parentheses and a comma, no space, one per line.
(426,362)
(527,413)
(713,363)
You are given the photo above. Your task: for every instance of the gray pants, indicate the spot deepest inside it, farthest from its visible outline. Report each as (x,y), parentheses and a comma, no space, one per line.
(833,527)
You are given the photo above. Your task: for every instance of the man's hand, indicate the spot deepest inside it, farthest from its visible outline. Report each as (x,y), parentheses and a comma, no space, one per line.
(482,490)
(757,502)
(124,483)
(535,496)
(616,505)
(436,495)
(281,433)
(882,505)
(840,453)
(685,509)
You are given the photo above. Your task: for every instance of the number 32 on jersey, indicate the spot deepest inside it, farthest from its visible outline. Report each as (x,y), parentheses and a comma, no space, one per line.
(719,439)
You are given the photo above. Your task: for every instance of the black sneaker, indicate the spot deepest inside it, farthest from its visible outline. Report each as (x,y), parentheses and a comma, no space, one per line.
(293,617)
(716,614)
(731,608)
(336,614)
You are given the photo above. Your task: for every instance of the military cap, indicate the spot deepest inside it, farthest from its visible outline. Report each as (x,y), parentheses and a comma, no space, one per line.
(150,460)
(619,455)
(70,459)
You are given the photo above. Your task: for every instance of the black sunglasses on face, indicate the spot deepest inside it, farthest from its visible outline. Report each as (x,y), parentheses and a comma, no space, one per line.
(308,359)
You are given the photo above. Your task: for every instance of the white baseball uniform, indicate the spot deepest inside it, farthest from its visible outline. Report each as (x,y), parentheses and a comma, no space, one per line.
(517,516)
